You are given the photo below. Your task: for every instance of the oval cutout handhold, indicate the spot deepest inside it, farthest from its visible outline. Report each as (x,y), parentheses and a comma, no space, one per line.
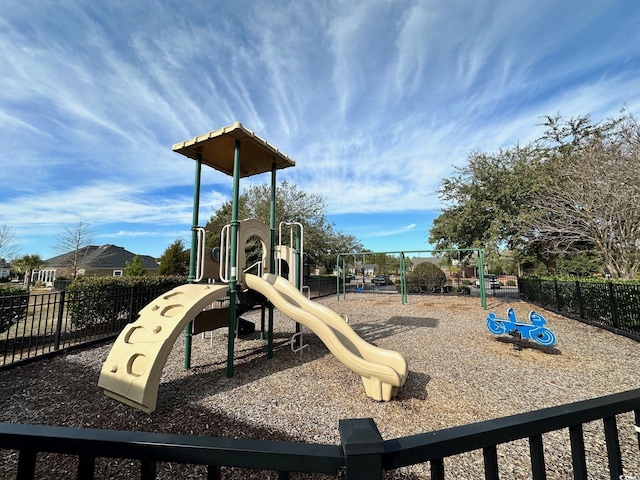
(172,294)
(172,310)
(135,335)
(137,365)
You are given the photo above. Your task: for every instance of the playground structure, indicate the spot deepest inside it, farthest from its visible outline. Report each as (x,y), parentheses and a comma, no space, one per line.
(534,330)
(132,370)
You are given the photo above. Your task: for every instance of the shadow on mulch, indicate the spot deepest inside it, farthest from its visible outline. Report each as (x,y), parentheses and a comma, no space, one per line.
(371,332)
(415,387)
(418,322)
(521,344)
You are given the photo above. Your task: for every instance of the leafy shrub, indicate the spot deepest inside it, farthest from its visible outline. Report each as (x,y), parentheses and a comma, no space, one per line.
(114,300)
(13,289)
(426,277)
(14,303)
(511,283)
(463,289)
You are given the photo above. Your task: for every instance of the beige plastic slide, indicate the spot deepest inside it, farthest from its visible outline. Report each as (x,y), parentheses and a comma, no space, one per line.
(131,373)
(383,371)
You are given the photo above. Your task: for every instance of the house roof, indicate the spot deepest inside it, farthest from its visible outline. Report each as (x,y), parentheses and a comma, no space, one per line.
(216,149)
(418,260)
(105,256)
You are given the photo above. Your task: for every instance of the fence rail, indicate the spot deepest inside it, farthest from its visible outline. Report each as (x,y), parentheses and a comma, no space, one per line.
(33,326)
(362,454)
(613,306)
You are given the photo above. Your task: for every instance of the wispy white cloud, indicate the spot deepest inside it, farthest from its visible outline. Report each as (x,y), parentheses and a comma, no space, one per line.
(389,232)
(148,234)
(376,101)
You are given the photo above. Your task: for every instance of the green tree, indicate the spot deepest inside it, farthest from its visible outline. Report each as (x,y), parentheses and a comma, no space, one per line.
(321,242)
(385,263)
(591,205)
(425,277)
(489,200)
(175,260)
(27,265)
(570,196)
(135,268)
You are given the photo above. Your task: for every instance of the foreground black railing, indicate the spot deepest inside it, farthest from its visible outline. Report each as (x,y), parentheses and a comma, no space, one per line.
(613,306)
(362,454)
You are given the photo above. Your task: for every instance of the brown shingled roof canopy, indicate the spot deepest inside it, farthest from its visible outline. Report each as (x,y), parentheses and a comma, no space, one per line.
(217,150)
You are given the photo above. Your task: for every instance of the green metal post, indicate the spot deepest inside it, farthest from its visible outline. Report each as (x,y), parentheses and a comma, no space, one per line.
(272,220)
(272,257)
(192,256)
(403,279)
(233,258)
(296,271)
(298,248)
(483,290)
(338,277)
(340,274)
(344,288)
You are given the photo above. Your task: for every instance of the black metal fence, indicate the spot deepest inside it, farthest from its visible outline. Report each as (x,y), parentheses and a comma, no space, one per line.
(321,286)
(43,324)
(613,306)
(32,326)
(362,454)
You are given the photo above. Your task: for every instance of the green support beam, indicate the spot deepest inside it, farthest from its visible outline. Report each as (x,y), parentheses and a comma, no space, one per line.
(233,259)
(272,259)
(193,255)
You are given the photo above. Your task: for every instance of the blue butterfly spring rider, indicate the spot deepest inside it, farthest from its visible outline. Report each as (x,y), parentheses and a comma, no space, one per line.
(535,330)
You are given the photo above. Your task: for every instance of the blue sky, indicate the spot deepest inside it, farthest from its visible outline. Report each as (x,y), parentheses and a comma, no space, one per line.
(376,102)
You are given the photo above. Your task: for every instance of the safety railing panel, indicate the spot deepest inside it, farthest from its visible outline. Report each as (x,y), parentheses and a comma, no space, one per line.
(362,453)
(486,436)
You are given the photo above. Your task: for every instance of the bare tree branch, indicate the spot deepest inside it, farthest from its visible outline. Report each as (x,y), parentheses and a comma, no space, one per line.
(8,243)
(595,199)
(72,241)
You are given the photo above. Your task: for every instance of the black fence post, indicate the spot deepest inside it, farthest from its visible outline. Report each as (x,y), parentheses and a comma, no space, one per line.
(557,293)
(636,416)
(614,310)
(363,446)
(56,345)
(539,298)
(579,297)
(133,304)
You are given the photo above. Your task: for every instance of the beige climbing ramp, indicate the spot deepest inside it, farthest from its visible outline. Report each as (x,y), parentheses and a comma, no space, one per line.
(131,373)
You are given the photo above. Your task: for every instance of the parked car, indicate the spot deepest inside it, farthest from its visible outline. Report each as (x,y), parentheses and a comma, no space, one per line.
(382,279)
(348,277)
(490,281)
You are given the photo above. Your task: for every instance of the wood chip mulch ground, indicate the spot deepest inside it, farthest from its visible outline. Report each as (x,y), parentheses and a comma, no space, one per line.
(459,373)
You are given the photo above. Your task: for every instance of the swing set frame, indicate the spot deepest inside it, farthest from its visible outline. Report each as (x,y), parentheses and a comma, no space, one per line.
(403,269)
